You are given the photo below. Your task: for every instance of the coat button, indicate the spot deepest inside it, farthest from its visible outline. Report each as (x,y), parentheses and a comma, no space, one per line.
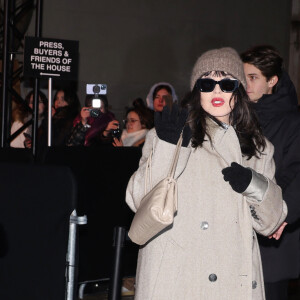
(204,225)
(212,277)
(254,284)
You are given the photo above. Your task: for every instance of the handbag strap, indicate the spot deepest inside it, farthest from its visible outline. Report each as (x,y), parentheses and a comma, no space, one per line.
(148,173)
(171,173)
(175,157)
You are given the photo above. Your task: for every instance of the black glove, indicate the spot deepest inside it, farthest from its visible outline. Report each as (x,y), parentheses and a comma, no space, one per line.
(238,176)
(169,124)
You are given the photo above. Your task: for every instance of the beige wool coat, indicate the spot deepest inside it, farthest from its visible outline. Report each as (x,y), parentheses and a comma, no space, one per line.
(211,251)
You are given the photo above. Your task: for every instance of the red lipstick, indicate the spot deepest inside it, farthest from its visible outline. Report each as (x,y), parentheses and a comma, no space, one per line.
(216,102)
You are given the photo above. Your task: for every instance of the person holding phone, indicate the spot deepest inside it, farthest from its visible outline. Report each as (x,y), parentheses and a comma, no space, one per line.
(91,122)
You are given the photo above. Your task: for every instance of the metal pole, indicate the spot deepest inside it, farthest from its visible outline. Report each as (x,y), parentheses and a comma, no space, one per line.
(35,116)
(38,29)
(115,285)
(10,68)
(71,256)
(49,111)
(5,61)
(38,18)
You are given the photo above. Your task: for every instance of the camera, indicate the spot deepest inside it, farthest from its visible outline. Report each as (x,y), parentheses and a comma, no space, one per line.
(96,89)
(116,133)
(94,112)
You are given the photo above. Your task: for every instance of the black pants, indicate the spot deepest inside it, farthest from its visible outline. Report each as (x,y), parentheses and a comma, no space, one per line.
(277,290)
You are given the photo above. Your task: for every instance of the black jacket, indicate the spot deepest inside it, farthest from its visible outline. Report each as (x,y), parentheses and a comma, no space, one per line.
(280,121)
(62,125)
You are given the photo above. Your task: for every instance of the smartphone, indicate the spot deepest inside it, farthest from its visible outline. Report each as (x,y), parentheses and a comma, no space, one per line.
(100,89)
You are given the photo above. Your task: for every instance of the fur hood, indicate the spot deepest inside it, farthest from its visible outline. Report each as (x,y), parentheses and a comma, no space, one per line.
(149,98)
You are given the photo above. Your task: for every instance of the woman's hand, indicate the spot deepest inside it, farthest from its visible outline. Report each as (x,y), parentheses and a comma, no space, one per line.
(85,114)
(170,123)
(277,234)
(238,177)
(117,143)
(112,125)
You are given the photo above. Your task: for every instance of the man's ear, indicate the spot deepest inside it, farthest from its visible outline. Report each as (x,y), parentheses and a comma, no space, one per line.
(273,80)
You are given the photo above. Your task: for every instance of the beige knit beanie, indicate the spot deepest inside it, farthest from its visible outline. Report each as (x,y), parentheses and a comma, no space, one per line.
(223,59)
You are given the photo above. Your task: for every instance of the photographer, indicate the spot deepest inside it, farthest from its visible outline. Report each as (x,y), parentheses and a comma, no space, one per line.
(111,131)
(90,123)
(139,119)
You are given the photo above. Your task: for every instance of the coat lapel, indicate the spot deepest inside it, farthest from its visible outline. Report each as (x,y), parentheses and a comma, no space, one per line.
(226,143)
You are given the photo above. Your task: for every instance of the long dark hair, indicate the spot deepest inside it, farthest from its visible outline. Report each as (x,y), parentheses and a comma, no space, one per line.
(242,118)
(161,87)
(42,97)
(73,107)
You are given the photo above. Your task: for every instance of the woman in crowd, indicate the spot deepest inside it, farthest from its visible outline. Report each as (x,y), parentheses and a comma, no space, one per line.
(139,119)
(91,122)
(65,108)
(226,191)
(42,112)
(21,115)
(160,95)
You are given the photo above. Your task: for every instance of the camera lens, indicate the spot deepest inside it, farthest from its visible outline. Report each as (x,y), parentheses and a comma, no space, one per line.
(116,133)
(96,89)
(94,112)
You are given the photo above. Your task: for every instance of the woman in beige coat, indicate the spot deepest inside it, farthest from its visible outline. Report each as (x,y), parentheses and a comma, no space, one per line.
(226,192)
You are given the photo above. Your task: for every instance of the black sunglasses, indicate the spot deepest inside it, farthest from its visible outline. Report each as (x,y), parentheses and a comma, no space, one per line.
(207,85)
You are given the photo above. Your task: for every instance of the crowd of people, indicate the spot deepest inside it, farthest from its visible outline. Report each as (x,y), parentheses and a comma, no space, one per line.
(236,233)
(89,126)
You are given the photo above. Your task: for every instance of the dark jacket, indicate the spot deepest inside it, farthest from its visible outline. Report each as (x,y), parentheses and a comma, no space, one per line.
(280,121)
(62,124)
(82,135)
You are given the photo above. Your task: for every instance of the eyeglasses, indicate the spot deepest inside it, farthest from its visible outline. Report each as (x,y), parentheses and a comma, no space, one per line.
(130,121)
(207,85)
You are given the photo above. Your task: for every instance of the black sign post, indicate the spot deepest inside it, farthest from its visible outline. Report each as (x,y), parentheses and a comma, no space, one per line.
(44,57)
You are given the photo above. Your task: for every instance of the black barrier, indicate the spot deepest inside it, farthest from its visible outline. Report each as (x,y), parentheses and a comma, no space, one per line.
(16,155)
(35,207)
(102,174)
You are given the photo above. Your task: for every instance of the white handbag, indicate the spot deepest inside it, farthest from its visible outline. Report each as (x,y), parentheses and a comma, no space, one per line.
(158,206)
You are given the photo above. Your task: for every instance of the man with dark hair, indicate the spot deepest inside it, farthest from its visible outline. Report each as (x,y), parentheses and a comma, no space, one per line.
(276,104)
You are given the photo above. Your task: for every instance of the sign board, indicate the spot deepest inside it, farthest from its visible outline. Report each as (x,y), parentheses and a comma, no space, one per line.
(45,57)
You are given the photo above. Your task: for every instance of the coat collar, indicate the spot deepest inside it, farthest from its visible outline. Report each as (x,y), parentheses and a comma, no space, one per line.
(271,108)
(225,142)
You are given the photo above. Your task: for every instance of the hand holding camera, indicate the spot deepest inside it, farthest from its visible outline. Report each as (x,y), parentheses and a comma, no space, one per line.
(117,143)
(113,129)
